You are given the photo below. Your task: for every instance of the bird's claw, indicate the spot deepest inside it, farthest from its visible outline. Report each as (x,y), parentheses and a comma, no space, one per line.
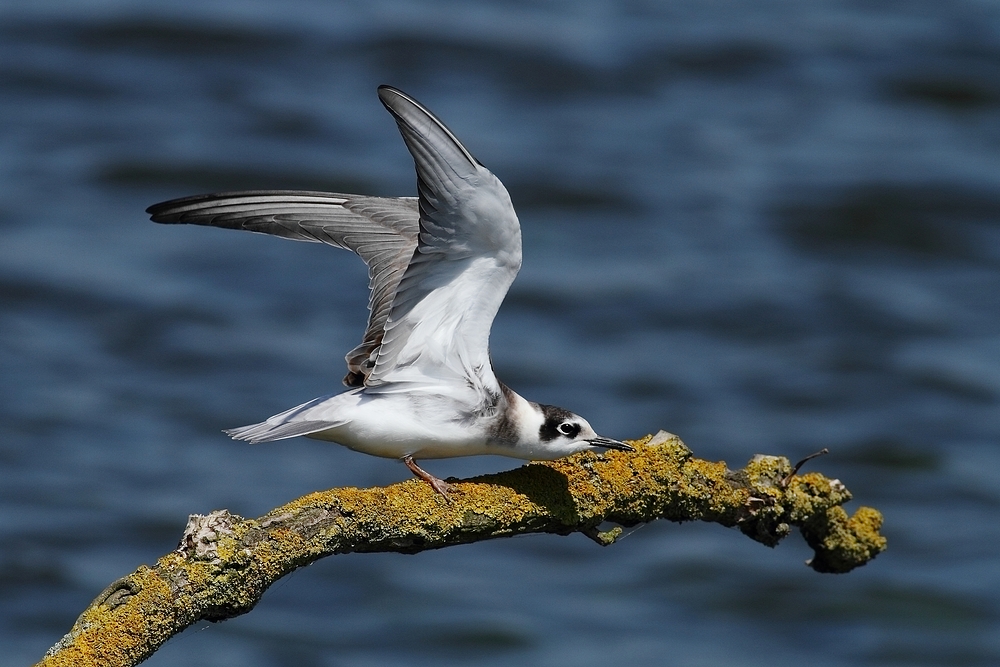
(437,484)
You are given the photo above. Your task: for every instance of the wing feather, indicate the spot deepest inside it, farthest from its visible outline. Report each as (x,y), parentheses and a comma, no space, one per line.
(439,265)
(467,255)
(382,231)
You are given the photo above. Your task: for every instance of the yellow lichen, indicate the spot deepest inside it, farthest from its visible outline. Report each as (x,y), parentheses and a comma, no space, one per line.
(118,633)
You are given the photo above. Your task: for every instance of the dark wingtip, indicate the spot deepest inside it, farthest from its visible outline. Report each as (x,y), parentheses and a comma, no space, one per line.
(387,92)
(157,212)
(405,109)
(386,95)
(166,211)
(171,210)
(154,209)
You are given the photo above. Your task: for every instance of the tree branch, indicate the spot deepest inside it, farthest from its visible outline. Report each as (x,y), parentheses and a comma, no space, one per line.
(225,562)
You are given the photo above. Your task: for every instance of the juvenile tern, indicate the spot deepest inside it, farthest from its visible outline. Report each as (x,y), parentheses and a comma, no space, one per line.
(439,265)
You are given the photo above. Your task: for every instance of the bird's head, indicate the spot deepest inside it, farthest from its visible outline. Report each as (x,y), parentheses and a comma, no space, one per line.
(552,432)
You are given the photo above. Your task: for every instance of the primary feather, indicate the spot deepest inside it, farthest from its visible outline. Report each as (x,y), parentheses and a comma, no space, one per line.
(381,230)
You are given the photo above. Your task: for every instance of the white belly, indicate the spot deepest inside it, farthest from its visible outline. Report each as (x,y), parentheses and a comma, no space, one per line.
(424,426)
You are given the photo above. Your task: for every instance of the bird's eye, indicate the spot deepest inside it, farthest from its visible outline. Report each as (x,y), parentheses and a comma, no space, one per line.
(569,429)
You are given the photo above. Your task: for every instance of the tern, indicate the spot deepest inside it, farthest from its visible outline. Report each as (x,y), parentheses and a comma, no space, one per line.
(421,383)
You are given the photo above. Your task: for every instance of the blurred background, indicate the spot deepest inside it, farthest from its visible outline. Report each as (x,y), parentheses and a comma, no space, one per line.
(766,228)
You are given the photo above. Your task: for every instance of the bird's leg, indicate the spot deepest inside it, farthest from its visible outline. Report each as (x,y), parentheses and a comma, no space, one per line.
(438,485)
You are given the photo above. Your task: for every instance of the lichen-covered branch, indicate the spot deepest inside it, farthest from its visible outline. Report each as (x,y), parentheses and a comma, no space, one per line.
(225,562)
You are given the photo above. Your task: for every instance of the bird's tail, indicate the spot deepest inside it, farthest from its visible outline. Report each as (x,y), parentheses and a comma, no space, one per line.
(267,432)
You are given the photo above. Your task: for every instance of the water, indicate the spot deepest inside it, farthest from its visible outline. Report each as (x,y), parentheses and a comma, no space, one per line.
(767,228)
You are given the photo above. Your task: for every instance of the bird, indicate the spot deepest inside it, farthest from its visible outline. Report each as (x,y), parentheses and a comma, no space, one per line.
(421,384)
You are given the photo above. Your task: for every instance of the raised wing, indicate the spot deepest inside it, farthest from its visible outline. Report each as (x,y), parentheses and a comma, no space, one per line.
(382,231)
(468,253)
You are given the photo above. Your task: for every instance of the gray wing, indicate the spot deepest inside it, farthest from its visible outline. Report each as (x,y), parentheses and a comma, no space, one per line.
(383,231)
(469,252)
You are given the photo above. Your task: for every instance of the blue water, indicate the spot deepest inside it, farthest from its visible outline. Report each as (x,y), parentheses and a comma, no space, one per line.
(766,227)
